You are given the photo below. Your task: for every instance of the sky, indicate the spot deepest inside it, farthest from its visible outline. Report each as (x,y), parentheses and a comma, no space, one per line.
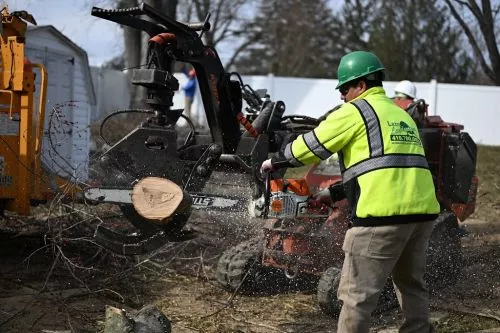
(101,39)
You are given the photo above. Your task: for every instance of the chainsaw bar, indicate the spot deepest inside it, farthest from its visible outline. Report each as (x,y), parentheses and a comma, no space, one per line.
(199,200)
(145,243)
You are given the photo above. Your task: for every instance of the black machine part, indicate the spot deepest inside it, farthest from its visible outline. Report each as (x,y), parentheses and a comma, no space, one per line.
(181,42)
(153,148)
(452,157)
(459,159)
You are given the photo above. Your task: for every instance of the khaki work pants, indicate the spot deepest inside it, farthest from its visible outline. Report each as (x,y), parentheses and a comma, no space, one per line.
(188,103)
(371,255)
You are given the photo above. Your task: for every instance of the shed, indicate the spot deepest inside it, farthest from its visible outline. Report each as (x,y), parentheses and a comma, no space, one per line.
(70,99)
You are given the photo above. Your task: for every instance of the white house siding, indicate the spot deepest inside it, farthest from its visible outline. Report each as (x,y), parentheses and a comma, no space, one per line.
(112,92)
(474,106)
(81,122)
(70,93)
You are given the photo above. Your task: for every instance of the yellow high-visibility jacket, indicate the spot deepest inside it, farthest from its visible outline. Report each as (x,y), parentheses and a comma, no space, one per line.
(385,173)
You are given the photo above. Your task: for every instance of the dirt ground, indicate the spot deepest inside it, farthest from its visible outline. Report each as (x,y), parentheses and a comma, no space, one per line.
(57,282)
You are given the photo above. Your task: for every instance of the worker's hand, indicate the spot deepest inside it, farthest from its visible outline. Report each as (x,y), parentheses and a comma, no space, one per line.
(322,197)
(267,166)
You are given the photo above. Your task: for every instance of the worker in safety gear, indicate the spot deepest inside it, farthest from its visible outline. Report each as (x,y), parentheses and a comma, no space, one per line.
(405,94)
(390,192)
(405,90)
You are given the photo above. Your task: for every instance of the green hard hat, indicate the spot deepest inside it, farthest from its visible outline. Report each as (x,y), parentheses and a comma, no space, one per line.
(357,64)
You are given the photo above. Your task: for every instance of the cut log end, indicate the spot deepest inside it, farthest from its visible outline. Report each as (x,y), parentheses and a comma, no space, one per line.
(157,198)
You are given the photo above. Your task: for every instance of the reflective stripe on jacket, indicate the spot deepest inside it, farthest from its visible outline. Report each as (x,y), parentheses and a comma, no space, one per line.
(384,169)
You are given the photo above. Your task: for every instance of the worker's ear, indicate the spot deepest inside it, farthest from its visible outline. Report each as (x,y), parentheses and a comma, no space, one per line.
(362,86)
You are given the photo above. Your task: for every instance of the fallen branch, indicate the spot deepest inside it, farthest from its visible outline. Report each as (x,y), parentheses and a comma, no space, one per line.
(491,330)
(233,295)
(109,290)
(51,270)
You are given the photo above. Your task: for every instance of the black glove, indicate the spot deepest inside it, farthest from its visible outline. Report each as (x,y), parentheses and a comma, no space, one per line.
(337,192)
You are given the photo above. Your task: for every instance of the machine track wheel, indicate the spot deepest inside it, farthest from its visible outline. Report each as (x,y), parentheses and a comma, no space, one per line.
(444,255)
(326,294)
(240,268)
(328,286)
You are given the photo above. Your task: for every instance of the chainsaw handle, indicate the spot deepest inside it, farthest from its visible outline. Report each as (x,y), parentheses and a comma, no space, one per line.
(267,193)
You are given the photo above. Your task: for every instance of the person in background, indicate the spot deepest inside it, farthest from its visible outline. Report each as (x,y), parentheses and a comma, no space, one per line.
(405,90)
(389,189)
(189,89)
(405,94)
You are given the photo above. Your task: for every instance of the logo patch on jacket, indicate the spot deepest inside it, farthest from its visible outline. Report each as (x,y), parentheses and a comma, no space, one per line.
(402,133)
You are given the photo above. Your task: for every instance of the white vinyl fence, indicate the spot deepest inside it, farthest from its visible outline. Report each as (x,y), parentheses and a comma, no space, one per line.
(474,106)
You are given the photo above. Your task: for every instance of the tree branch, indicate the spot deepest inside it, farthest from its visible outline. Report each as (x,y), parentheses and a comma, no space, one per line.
(224,31)
(470,36)
(240,49)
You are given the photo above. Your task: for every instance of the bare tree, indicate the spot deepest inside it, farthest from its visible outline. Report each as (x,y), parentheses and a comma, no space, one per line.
(417,40)
(484,40)
(294,39)
(229,20)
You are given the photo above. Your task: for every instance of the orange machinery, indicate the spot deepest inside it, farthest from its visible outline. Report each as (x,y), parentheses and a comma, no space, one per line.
(21,123)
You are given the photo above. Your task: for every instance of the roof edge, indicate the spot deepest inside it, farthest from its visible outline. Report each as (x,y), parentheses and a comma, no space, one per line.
(74,46)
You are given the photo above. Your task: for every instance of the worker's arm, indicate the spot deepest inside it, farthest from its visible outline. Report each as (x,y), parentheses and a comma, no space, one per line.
(329,137)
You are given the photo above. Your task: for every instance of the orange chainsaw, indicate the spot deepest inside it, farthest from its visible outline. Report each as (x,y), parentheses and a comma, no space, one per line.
(289,198)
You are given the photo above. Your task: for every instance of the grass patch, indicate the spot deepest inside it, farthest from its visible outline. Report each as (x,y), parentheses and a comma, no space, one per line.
(488,193)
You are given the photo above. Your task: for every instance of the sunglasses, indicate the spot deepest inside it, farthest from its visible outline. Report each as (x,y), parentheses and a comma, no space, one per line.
(344,89)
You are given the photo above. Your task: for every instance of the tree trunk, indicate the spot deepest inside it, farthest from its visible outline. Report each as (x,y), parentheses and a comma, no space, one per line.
(132,43)
(157,199)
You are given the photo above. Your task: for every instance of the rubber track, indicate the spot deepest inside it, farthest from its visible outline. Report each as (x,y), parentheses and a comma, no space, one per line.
(327,292)
(236,262)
